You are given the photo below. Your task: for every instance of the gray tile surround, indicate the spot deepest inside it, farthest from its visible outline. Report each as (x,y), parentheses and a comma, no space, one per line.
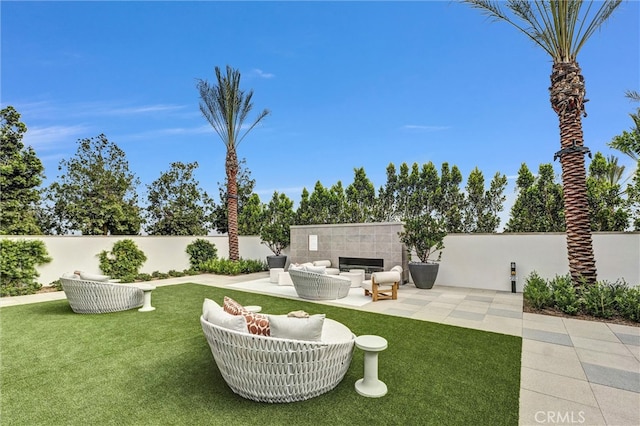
(620,379)
(547,336)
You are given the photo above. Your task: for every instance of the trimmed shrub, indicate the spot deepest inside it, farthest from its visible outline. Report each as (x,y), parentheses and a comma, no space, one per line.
(565,297)
(628,303)
(229,267)
(599,299)
(18,261)
(537,292)
(123,261)
(201,251)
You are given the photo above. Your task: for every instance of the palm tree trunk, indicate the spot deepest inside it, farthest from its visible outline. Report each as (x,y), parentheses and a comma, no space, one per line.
(231,165)
(567,100)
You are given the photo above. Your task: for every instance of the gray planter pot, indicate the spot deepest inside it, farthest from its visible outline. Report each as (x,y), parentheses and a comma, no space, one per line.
(276,261)
(423,274)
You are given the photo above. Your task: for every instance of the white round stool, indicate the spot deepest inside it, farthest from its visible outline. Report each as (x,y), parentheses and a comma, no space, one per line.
(274,273)
(370,385)
(355,277)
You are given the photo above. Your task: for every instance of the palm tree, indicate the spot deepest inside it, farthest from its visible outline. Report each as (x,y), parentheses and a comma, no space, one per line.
(561,28)
(226,108)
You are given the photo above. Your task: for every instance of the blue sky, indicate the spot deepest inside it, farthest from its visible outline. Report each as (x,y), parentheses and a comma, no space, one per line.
(357,84)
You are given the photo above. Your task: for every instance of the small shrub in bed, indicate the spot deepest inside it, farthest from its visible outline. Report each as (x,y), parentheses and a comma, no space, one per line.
(628,303)
(599,299)
(229,267)
(565,297)
(200,251)
(123,261)
(537,292)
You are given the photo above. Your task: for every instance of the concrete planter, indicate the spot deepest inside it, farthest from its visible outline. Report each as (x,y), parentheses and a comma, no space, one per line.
(276,261)
(423,274)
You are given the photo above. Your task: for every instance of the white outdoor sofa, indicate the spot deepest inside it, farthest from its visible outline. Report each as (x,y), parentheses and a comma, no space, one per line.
(316,286)
(95,297)
(276,370)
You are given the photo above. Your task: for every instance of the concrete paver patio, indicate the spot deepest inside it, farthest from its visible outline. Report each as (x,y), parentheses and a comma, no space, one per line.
(572,372)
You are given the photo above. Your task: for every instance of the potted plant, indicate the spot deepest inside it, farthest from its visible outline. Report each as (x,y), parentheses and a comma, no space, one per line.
(423,235)
(275,231)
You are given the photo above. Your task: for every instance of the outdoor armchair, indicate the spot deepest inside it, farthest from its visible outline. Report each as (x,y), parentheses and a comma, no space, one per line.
(383,285)
(94,297)
(315,286)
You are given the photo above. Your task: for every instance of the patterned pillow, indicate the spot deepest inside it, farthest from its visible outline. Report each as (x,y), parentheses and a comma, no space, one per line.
(232,307)
(256,323)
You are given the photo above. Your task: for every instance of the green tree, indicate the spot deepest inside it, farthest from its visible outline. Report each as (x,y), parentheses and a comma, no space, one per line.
(385,205)
(482,207)
(561,28)
(177,206)
(606,205)
(337,204)
(21,175)
(539,206)
(304,214)
(244,188)
(226,107)
(278,218)
(360,198)
(96,193)
(450,200)
(251,216)
(319,202)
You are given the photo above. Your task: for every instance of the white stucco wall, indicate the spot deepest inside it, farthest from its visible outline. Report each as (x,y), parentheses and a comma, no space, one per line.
(469,260)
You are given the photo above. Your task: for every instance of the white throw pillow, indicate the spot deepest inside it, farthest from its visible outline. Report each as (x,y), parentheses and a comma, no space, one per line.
(207,306)
(326,263)
(286,327)
(214,313)
(94,277)
(71,275)
(316,269)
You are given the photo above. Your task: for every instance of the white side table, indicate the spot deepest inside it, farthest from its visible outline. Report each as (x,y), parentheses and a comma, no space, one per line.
(355,277)
(274,273)
(361,271)
(370,385)
(146,305)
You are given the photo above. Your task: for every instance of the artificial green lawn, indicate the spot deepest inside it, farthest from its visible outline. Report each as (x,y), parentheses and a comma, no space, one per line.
(155,368)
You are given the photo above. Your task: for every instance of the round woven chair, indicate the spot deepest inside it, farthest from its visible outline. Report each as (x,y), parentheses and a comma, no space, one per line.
(314,286)
(93,297)
(275,370)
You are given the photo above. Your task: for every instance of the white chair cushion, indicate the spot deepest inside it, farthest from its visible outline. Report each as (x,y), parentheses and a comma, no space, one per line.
(316,269)
(326,263)
(386,277)
(383,287)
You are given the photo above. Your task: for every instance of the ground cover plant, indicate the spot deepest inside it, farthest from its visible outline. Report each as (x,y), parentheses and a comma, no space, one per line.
(130,368)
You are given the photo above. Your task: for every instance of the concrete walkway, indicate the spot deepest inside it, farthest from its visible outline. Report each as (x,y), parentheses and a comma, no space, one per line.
(573,371)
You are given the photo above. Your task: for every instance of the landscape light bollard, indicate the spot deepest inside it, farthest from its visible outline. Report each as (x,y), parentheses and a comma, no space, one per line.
(513,277)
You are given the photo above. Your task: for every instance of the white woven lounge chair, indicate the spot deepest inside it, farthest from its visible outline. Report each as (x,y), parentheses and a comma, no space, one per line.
(314,286)
(271,369)
(93,297)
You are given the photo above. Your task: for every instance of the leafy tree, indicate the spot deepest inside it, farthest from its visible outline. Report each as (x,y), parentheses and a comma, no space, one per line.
(360,198)
(629,144)
(226,107)
(21,175)
(385,206)
(279,216)
(337,204)
(450,200)
(251,216)
(244,189)
(482,207)
(304,214)
(561,28)
(319,204)
(177,206)
(539,206)
(96,193)
(606,205)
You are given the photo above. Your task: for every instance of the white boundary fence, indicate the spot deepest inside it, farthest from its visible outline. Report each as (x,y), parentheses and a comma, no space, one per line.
(469,260)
